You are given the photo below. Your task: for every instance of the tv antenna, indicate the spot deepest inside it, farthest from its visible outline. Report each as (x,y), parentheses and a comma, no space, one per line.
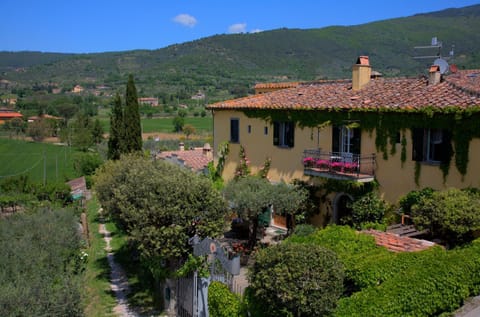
(440,61)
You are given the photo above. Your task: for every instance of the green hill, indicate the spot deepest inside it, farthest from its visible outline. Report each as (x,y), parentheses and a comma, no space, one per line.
(221,64)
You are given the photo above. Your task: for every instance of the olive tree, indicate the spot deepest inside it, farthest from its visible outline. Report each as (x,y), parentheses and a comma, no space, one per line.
(160,205)
(250,195)
(41,264)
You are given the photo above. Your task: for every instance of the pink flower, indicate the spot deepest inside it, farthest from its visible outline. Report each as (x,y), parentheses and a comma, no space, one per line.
(308,160)
(322,163)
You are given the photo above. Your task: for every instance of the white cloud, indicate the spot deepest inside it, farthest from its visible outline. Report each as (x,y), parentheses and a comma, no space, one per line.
(185,19)
(237,28)
(256,31)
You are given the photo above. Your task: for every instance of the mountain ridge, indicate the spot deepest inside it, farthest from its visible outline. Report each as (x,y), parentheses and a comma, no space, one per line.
(218,63)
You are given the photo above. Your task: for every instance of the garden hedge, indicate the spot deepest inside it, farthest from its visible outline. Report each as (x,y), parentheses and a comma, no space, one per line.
(426,283)
(438,283)
(222,302)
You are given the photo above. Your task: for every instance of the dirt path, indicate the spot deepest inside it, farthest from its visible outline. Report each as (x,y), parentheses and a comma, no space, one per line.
(118,278)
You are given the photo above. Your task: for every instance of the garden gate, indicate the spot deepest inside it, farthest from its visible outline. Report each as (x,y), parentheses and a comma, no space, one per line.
(192,291)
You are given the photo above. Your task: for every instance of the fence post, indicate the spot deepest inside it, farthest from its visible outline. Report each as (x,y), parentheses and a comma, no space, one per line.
(202,296)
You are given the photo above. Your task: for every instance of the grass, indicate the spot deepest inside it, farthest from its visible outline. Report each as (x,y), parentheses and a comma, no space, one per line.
(140,281)
(99,299)
(165,125)
(37,160)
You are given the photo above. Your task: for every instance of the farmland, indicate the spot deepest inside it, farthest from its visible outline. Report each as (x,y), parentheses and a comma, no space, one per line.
(203,125)
(37,160)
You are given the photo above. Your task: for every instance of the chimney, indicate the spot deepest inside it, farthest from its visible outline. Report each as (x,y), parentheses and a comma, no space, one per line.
(181,146)
(207,150)
(361,73)
(434,76)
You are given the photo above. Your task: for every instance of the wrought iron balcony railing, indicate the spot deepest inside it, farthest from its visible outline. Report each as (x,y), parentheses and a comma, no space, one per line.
(344,166)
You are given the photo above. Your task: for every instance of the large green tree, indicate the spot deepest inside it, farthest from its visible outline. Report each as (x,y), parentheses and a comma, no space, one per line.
(131,119)
(116,130)
(81,133)
(160,205)
(97,131)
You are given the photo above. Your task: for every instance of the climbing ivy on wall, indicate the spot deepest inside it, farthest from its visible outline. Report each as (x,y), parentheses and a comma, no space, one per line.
(462,123)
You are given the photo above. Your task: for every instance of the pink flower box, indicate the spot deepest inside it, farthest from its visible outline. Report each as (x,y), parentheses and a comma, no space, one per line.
(322,163)
(308,161)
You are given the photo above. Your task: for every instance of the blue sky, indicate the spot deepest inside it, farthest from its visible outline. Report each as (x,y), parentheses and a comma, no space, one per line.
(88,26)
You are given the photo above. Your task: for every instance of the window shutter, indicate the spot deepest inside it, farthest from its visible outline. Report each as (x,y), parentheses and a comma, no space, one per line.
(445,147)
(356,141)
(234,133)
(417,146)
(276,133)
(336,139)
(290,133)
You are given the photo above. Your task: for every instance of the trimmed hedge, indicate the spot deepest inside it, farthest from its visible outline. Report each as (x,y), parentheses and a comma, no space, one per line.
(222,302)
(438,283)
(426,283)
(352,249)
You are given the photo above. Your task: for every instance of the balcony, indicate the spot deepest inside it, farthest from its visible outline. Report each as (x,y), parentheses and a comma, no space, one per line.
(341,166)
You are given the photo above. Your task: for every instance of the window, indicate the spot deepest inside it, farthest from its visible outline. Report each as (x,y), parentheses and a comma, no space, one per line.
(265,130)
(431,145)
(234,130)
(249,129)
(398,137)
(283,134)
(346,139)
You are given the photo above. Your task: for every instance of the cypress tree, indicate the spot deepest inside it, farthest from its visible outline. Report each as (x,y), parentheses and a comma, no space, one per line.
(115,141)
(131,118)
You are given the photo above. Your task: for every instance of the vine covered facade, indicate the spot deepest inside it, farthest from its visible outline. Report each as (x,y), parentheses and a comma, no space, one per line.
(401,133)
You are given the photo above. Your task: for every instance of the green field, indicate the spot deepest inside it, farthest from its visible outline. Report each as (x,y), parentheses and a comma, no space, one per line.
(202,125)
(37,160)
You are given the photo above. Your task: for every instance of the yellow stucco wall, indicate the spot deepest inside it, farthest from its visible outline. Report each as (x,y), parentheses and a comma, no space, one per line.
(395,180)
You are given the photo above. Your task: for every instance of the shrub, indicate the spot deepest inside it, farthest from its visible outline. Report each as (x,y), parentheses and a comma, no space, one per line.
(343,240)
(352,249)
(369,209)
(450,215)
(86,163)
(304,230)
(222,302)
(413,198)
(296,280)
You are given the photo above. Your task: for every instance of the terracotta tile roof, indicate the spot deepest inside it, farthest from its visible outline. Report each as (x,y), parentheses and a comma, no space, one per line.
(461,90)
(277,85)
(78,186)
(194,159)
(10,114)
(466,80)
(398,243)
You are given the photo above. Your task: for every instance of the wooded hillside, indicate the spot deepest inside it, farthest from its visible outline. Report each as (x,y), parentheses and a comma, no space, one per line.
(222,64)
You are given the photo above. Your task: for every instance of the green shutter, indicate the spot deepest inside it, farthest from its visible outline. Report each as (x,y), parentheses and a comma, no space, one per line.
(276,133)
(417,147)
